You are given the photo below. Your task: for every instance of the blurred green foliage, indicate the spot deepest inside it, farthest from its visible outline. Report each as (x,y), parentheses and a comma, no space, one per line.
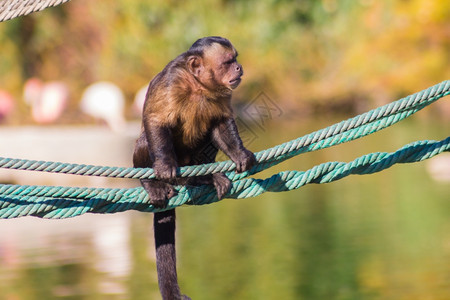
(305,54)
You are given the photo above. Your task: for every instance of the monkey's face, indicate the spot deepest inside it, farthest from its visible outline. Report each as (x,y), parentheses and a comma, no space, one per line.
(221,67)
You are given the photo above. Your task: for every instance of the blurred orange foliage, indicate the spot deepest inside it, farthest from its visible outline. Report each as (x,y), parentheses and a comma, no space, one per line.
(305,54)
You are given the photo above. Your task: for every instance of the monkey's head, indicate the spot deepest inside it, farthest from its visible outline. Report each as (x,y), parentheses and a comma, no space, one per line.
(212,61)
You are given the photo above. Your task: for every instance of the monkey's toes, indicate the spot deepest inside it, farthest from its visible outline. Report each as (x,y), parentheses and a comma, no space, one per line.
(222,184)
(160,196)
(158,192)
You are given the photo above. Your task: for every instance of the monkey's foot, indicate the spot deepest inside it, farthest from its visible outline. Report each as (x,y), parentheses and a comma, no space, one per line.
(222,184)
(158,191)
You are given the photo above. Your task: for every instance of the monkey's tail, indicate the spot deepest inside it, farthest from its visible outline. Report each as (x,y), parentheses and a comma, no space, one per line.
(164,228)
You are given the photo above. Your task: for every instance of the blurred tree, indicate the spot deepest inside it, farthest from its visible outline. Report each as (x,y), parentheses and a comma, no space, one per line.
(324,55)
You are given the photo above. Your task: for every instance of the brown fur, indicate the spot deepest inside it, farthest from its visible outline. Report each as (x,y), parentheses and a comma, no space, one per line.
(187,103)
(187,117)
(191,110)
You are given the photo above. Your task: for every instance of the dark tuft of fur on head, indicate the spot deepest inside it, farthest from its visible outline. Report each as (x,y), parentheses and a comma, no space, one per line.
(201,44)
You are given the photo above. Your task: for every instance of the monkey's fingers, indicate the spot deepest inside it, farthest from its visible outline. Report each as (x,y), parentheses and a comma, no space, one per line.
(169,173)
(164,170)
(247,161)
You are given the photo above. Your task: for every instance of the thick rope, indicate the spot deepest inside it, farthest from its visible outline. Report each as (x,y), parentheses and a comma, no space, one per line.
(345,131)
(64,202)
(10,9)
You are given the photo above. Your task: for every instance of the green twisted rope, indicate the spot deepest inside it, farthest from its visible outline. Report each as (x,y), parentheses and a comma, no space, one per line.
(64,202)
(345,131)
(10,9)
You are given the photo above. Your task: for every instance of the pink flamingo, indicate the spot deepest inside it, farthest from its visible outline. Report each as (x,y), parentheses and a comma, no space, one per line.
(48,100)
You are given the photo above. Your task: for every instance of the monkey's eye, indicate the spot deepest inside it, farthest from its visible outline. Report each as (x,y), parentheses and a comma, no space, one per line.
(229,62)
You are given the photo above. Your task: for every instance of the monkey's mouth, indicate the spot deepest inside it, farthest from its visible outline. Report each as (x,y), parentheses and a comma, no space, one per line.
(235,82)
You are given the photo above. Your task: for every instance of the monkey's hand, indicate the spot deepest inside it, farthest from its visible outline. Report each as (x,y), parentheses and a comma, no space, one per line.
(165,169)
(245,160)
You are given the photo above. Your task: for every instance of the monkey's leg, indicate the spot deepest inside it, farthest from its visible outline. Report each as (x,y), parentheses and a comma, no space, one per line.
(158,191)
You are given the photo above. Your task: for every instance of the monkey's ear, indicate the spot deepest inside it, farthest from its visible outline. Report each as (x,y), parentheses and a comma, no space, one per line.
(195,65)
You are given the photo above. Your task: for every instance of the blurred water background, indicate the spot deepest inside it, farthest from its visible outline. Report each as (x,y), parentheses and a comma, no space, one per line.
(71,90)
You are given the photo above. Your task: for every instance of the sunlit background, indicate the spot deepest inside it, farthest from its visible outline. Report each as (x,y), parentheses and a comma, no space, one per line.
(71,82)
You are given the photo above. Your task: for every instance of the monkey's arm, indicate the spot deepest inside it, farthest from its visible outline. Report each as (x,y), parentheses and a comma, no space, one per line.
(161,150)
(226,137)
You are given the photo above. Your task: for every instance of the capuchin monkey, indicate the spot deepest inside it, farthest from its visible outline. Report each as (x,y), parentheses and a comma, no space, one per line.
(187,117)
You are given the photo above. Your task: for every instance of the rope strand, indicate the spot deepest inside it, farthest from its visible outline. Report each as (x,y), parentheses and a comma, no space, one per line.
(10,9)
(64,202)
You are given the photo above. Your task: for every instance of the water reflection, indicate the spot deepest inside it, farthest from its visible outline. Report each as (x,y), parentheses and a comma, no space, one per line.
(56,257)
(381,236)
